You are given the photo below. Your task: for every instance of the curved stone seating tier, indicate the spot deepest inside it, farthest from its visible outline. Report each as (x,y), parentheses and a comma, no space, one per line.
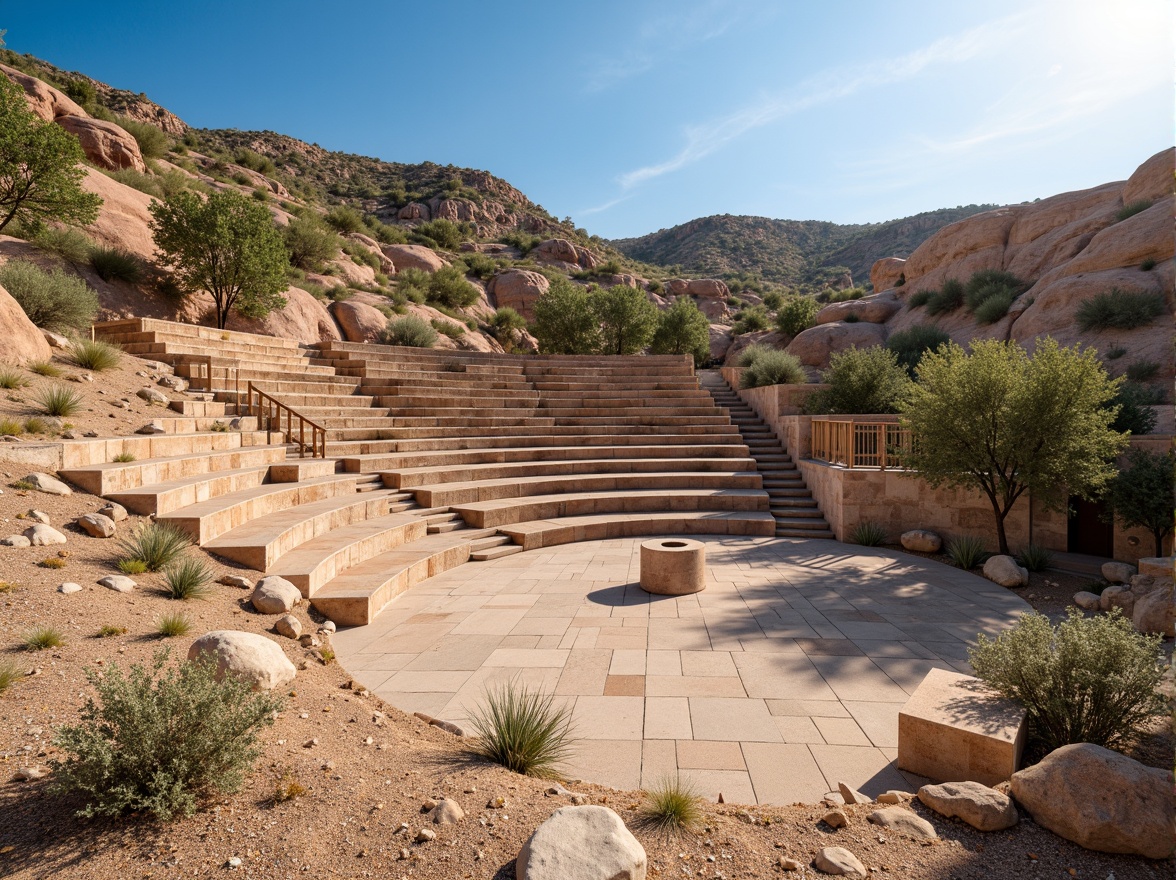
(104,478)
(488,473)
(565,530)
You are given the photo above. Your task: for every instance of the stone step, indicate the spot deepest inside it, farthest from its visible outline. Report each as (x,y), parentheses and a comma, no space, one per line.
(490,543)
(159,499)
(790,503)
(111,477)
(599,527)
(434,458)
(482,473)
(437,528)
(207,520)
(801,523)
(261,542)
(797,512)
(198,408)
(495,552)
(805,533)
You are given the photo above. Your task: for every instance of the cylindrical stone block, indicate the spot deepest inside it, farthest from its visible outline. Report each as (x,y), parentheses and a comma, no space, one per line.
(673,566)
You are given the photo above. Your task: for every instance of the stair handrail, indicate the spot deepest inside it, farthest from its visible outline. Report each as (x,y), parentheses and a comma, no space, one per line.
(274,408)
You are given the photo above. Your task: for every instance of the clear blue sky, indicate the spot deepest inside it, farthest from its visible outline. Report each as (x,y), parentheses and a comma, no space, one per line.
(637,115)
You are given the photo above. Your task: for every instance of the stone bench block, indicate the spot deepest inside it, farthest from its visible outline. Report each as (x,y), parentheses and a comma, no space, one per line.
(953,729)
(673,566)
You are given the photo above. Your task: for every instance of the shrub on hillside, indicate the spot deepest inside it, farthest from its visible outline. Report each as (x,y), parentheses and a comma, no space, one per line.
(862,380)
(1119,310)
(752,319)
(989,293)
(947,299)
(770,366)
(909,345)
(507,324)
(161,742)
(564,322)
(448,287)
(115,264)
(344,218)
(683,329)
(310,243)
(626,318)
(1089,680)
(152,141)
(96,355)
(444,234)
(72,245)
(1135,403)
(53,299)
(524,730)
(920,298)
(409,331)
(796,314)
(1132,208)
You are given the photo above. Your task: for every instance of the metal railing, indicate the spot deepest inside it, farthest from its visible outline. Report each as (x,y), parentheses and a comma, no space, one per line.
(269,413)
(860,441)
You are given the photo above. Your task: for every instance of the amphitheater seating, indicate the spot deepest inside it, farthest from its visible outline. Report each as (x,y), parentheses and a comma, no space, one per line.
(435,458)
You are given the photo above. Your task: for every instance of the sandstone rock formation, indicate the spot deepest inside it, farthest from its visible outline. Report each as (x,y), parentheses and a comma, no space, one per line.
(23,341)
(104,143)
(706,288)
(562,251)
(413,256)
(303,318)
(518,289)
(44,100)
(814,346)
(358,321)
(123,217)
(876,309)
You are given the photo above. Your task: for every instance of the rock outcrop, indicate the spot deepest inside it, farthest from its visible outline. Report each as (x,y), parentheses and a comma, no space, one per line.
(23,341)
(518,289)
(105,144)
(562,251)
(814,346)
(358,321)
(413,256)
(44,100)
(303,318)
(705,288)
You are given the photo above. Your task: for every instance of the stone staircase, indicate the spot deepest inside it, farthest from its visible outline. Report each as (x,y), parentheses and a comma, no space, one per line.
(791,502)
(435,459)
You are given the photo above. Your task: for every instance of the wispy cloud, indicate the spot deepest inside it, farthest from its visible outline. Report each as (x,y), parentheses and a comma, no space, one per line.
(660,37)
(829,86)
(600,209)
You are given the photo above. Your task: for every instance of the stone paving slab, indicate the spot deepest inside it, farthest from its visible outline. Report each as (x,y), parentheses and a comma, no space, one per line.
(779,680)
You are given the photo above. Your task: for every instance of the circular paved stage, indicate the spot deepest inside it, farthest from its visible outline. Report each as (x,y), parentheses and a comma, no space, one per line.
(782,678)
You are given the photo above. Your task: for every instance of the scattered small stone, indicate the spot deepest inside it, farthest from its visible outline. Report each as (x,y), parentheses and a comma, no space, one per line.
(152,428)
(984,808)
(425,835)
(68,588)
(96,525)
(839,861)
(328,626)
(309,640)
(835,819)
(175,383)
(289,626)
(16,541)
(117,582)
(235,580)
(113,511)
(852,795)
(404,854)
(152,396)
(30,774)
(788,864)
(894,797)
(37,516)
(447,812)
(904,822)
(234,862)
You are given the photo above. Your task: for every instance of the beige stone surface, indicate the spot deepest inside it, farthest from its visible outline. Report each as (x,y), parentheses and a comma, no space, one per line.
(44,100)
(23,341)
(413,256)
(886,273)
(358,321)
(105,144)
(814,346)
(954,730)
(303,319)
(673,566)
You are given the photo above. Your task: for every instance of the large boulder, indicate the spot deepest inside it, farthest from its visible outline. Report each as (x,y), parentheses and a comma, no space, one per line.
(1004,570)
(984,808)
(105,144)
(303,318)
(582,843)
(1101,800)
(275,595)
(814,346)
(23,342)
(249,656)
(560,250)
(704,288)
(358,321)
(123,222)
(873,310)
(518,289)
(921,541)
(1118,596)
(1155,612)
(44,100)
(41,535)
(1152,179)
(413,256)
(1118,572)
(887,272)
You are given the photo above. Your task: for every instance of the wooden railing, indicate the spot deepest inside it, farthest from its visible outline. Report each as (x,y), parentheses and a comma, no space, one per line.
(269,412)
(860,441)
(202,369)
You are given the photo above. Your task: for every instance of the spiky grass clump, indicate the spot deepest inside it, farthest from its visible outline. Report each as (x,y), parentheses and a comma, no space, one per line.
(173,625)
(967,551)
(12,379)
(95,355)
(36,425)
(115,264)
(868,534)
(187,579)
(10,674)
(45,368)
(1034,557)
(54,562)
(156,545)
(58,401)
(11,427)
(124,457)
(523,730)
(131,566)
(672,805)
(110,630)
(43,637)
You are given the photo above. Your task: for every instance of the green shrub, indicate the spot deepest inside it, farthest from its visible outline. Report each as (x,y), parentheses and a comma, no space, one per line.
(187,578)
(852,318)
(10,674)
(1131,209)
(862,380)
(156,545)
(845,294)
(773,300)
(752,320)
(58,401)
(1147,265)
(144,183)
(523,241)
(110,630)
(448,286)
(966,551)
(911,344)
(173,625)
(131,566)
(1034,557)
(671,805)
(444,234)
(448,328)
(410,331)
(42,638)
(124,457)
(770,366)
(507,323)
(989,283)
(35,425)
(481,266)
(53,299)
(1089,680)
(994,308)
(796,314)
(11,427)
(153,143)
(45,368)
(82,91)
(868,534)
(11,378)
(522,729)
(72,245)
(920,298)
(682,329)
(947,299)
(95,355)
(1119,310)
(344,218)
(1115,352)
(114,264)
(161,743)
(1135,403)
(1142,371)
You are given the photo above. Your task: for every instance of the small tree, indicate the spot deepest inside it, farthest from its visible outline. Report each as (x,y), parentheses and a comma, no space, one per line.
(683,329)
(564,322)
(1142,496)
(796,314)
(227,245)
(862,380)
(1004,423)
(626,317)
(507,325)
(40,171)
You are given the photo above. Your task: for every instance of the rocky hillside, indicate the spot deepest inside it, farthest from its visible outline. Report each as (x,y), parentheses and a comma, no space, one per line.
(798,253)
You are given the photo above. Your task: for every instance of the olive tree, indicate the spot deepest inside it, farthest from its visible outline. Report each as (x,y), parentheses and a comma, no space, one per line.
(227,245)
(683,329)
(564,322)
(626,318)
(40,171)
(1141,496)
(1005,423)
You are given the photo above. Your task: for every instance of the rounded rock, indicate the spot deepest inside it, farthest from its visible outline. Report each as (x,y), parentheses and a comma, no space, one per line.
(984,808)
(113,511)
(47,484)
(1118,572)
(921,541)
(68,588)
(96,525)
(249,656)
(117,582)
(1003,570)
(41,535)
(903,821)
(1087,601)
(16,541)
(289,626)
(582,843)
(839,862)
(447,812)
(275,595)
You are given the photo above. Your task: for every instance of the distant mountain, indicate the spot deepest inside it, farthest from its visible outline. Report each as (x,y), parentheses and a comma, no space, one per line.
(794,252)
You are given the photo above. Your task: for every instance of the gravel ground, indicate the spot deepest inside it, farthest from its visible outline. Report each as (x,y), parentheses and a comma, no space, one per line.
(373,766)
